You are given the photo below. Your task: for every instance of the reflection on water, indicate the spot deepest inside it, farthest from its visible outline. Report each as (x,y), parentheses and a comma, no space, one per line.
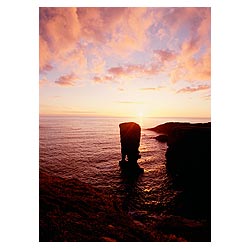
(89,149)
(130,188)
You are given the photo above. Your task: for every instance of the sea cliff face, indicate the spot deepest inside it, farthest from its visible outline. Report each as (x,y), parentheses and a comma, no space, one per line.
(188,160)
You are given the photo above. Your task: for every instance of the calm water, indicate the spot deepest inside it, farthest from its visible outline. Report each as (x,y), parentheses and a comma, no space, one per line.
(89,149)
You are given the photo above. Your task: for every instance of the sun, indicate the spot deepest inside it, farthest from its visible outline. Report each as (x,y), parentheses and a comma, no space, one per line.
(140,114)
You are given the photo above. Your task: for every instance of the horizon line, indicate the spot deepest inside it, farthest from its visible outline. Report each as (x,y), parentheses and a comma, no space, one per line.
(113,116)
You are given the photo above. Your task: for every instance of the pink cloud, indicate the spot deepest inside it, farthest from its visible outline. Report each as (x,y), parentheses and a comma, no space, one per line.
(140,69)
(193,89)
(69,36)
(75,57)
(190,69)
(192,61)
(60,27)
(184,66)
(191,19)
(102,79)
(59,33)
(67,80)
(165,55)
(118,30)
(45,55)
(122,30)
(130,32)
(131,70)
(117,71)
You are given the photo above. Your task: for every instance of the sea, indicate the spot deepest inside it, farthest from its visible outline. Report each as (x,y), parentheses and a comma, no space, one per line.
(88,149)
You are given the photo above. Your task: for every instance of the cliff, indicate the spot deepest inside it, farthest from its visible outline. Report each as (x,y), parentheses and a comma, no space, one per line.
(168,127)
(188,161)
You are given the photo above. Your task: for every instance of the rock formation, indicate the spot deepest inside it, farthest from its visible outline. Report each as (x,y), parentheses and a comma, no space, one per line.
(188,160)
(130,134)
(162,138)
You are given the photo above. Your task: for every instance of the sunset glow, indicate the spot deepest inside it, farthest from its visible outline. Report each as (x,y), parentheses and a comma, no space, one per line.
(141,62)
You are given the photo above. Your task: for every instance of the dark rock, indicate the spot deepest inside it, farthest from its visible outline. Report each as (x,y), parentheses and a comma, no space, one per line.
(162,138)
(128,167)
(130,134)
(189,162)
(70,210)
(191,230)
(168,127)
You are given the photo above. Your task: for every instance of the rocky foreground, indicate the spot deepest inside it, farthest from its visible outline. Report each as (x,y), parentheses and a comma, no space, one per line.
(71,210)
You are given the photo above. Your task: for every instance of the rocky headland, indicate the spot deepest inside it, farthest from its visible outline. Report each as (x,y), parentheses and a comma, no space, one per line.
(188,160)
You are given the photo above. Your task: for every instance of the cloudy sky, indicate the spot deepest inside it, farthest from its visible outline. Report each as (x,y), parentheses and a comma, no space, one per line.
(125,61)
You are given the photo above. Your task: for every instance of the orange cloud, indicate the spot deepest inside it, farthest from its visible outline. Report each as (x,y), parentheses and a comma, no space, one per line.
(59,33)
(60,27)
(192,60)
(131,29)
(190,69)
(45,55)
(119,30)
(67,80)
(82,39)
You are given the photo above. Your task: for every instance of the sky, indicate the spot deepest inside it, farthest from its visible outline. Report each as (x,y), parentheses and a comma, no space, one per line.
(152,62)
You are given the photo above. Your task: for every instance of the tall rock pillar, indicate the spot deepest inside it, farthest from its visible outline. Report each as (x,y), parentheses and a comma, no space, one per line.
(130,134)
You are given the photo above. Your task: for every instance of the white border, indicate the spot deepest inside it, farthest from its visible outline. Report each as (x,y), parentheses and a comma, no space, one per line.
(20,125)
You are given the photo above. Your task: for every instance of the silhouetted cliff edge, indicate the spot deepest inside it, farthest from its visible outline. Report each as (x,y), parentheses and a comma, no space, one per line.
(169,127)
(188,160)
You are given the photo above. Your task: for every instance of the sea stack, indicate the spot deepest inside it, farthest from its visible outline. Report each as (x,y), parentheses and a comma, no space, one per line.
(130,134)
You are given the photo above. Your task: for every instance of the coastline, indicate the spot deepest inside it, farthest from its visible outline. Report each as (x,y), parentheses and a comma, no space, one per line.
(71,210)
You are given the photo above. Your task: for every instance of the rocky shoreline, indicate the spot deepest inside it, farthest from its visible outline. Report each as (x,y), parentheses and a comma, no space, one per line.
(70,210)
(73,211)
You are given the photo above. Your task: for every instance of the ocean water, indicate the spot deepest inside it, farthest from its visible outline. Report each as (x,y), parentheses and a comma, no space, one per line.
(88,148)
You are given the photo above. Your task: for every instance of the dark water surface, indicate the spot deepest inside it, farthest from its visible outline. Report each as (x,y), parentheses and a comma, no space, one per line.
(89,149)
